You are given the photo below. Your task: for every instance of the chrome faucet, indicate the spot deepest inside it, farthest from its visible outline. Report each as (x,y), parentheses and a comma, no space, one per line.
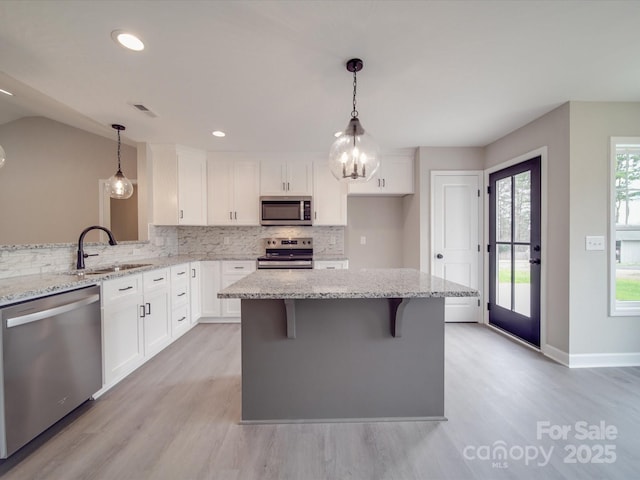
(81,254)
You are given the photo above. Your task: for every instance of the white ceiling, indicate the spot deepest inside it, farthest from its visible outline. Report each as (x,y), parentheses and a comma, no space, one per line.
(271,73)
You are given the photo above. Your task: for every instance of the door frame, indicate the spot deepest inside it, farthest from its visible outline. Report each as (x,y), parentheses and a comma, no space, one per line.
(482,228)
(542,153)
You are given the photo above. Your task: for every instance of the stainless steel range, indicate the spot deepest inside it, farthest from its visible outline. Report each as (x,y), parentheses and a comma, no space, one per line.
(286,253)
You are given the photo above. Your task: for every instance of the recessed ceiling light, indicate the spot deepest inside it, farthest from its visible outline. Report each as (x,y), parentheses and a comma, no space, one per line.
(5,92)
(127,40)
(218,133)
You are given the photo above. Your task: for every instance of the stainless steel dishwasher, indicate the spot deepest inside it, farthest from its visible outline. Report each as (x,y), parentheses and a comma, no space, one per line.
(51,362)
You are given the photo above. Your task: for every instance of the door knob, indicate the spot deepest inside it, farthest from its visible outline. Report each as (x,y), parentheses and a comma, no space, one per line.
(439,255)
(534,260)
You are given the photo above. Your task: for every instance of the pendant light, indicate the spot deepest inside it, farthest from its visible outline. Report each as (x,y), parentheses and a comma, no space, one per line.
(120,187)
(354,156)
(2,157)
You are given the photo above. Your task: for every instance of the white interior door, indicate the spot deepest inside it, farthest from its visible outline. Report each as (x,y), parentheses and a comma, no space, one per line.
(455,242)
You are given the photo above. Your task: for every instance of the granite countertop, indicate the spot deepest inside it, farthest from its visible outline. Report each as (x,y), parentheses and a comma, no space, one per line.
(365,283)
(24,287)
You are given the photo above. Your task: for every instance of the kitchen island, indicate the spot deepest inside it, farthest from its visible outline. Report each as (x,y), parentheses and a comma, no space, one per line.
(342,345)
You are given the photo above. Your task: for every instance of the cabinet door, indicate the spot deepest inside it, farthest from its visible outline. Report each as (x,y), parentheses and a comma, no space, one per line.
(220,192)
(164,185)
(180,321)
(157,329)
(123,340)
(231,273)
(195,291)
(246,197)
(329,197)
(210,286)
(367,188)
(192,187)
(273,178)
(299,179)
(397,176)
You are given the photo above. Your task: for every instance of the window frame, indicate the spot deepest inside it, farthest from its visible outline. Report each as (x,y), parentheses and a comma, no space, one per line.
(617,308)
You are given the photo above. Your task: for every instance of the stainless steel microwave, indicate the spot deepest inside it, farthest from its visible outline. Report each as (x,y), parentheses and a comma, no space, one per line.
(285,210)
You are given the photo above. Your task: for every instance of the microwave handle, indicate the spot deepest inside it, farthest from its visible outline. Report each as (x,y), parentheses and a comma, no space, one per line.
(302,210)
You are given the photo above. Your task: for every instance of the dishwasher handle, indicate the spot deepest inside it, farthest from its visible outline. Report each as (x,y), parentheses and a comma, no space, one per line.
(35,316)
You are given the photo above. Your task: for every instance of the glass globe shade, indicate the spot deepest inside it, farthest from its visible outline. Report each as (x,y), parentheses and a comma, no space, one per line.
(2,157)
(120,187)
(354,156)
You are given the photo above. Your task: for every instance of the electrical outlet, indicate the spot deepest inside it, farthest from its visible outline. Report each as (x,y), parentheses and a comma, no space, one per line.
(594,243)
(363,240)
(226,240)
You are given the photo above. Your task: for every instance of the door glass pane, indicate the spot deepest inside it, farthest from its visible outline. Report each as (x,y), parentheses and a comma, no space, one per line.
(503,210)
(522,207)
(503,279)
(522,280)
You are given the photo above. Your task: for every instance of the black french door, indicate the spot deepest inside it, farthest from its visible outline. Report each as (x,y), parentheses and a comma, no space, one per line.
(514,250)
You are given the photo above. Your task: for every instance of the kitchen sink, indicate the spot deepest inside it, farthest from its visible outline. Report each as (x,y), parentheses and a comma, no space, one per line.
(111,269)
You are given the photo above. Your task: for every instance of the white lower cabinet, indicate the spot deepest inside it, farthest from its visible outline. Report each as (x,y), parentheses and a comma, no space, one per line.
(330,264)
(180,300)
(156,307)
(122,327)
(232,271)
(217,275)
(195,290)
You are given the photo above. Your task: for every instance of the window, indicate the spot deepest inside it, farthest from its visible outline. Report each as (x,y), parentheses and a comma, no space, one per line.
(624,238)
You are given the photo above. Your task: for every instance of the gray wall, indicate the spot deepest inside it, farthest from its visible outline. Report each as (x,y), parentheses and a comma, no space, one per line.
(592,329)
(417,207)
(381,221)
(49,184)
(551,130)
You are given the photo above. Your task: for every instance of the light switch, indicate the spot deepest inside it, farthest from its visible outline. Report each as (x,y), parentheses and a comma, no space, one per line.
(594,243)
(363,240)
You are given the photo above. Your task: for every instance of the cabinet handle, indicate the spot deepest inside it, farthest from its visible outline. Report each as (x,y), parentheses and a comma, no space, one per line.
(142,311)
(125,288)
(158,279)
(239,268)
(283,186)
(384,182)
(182,319)
(148,312)
(230,215)
(181,214)
(182,294)
(235,215)
(315,215)
(182,272)
(288,187)
(378,182)
(331,268)
(193,273)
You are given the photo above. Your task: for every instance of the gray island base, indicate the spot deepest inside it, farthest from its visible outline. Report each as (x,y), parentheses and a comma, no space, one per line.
(322,345)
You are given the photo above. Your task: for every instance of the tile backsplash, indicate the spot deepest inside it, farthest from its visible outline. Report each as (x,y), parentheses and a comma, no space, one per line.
(16,260)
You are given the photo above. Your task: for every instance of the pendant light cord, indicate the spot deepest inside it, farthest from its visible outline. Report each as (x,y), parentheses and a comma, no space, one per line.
(354,113)
(119,169)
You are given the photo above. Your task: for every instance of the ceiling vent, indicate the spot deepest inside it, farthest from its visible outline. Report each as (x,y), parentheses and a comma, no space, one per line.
(145,110)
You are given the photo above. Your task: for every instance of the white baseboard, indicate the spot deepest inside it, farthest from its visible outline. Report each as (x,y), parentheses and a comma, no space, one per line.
(592,360)
(556,354)
(219,320)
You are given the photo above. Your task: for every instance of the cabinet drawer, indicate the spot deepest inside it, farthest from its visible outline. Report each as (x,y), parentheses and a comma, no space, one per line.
(243,266)
(180,272)
(180,316)
(155,279)
(119,288)
(179,293)
(329,265)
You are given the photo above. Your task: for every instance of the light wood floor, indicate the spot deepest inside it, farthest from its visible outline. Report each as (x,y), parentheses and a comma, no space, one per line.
(177,418)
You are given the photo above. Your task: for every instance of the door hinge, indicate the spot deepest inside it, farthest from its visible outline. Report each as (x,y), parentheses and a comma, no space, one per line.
(488,190)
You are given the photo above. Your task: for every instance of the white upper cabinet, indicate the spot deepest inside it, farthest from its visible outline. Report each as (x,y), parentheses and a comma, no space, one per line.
(233,191)
(394,177)
(329,196)
(292,177)
(179,185)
